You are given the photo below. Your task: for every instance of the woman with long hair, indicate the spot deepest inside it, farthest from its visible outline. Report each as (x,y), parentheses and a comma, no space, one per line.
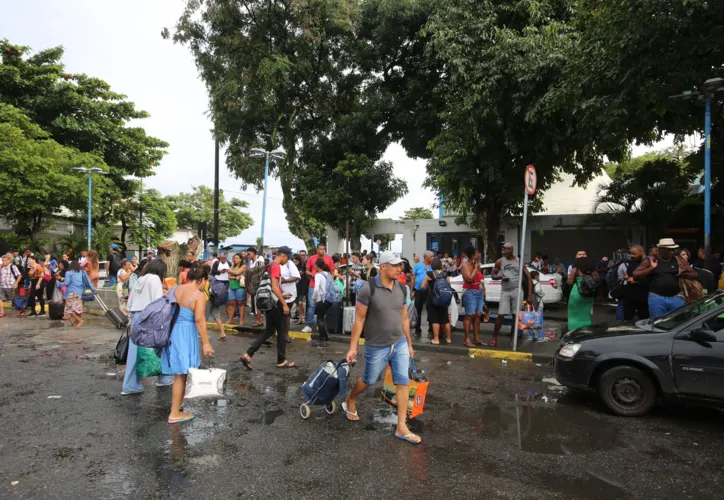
(473,298)
(237,291)
(93,267)
(74,288)
(36,273)
(302,289)
(148,288)
(183,351)
(580,308)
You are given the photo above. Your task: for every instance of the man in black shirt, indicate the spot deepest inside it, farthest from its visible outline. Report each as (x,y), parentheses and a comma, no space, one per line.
(113,265)
(635,292)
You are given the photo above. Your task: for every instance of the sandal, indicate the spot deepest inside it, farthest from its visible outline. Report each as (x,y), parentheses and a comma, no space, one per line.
(481,343)
(223,339)
(493,343)
(258,324)
(410,438)
(246,363)
(434,343)
(351,416)
(287,364)
(469,345)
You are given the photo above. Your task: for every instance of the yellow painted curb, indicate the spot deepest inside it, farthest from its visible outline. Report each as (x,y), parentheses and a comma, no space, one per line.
(213,326)
(513,356)
(299,335)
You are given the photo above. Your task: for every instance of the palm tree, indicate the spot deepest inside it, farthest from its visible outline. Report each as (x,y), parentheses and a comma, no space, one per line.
(76,241)
(103,237)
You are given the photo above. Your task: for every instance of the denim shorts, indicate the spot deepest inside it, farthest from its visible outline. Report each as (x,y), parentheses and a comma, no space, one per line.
(238,295)
(473,301)
(377,359)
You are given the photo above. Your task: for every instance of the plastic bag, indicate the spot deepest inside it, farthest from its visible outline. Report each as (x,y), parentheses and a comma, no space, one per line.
(528,319)
(57,297)
(418,390)
(148,364)
(205,382)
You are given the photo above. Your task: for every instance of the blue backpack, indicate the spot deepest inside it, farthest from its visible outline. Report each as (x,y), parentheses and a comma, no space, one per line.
(333,294)
(326,383)
(152,326)
(442,291)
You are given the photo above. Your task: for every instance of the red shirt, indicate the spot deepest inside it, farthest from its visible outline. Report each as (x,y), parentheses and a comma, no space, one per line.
(310,266)
(475,285)
(275,270)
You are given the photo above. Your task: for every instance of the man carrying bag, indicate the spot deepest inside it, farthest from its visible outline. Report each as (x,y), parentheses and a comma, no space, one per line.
(381,307)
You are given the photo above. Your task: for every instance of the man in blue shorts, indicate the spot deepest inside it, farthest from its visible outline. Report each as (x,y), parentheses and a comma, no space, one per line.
(382,312)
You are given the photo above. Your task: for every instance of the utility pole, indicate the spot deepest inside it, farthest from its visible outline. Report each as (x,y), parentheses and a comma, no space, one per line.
(140,222)
(216,195)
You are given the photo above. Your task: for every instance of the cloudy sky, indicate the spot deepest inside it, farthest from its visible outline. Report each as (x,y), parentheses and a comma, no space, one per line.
(121,43)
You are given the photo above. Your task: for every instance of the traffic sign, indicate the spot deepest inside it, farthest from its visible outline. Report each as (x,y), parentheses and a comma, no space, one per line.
(531,179)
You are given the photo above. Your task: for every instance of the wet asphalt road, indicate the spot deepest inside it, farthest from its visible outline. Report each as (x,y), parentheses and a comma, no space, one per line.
(490,430)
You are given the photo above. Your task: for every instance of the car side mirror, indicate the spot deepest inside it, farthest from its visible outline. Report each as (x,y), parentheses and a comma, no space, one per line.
(703,335)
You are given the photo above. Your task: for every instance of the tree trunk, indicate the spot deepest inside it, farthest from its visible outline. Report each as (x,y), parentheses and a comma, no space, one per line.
(124,230)
(493,221)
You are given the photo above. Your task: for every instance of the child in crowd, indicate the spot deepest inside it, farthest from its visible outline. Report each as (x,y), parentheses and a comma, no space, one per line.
(537,306)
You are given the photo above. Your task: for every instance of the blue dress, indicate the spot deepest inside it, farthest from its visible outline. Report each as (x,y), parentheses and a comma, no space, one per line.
(183,352)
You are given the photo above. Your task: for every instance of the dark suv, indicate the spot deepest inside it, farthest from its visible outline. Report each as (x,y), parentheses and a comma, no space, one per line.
(678,357)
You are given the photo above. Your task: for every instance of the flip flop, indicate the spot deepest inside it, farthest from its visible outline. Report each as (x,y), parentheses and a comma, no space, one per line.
(347,414)
(493,343)
(288,364)
(223,339)
(435,343)
(480,343)
(407,437)
(246,363)
(179,420)
(469,345)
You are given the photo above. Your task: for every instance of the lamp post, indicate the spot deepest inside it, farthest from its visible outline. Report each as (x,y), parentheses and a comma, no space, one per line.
(706,93)
(277,154)
(90,172)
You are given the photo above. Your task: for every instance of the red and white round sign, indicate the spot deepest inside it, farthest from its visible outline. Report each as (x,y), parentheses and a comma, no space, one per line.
(531,179)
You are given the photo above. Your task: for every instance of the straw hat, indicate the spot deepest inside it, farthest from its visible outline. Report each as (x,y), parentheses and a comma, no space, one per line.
(667,243)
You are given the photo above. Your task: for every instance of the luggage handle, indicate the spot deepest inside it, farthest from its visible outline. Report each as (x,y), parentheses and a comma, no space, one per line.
(100,302)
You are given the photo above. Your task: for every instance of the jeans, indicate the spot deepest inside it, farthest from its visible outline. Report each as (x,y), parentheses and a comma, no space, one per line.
(112,281)
(420,300)
(275,322)
(660,305)
(311,306)
(473,301)
(321,308)
(619,311)
(131,382)
(377,359)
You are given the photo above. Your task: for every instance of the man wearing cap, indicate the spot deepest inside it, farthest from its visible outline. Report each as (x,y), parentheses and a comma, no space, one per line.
(113,265)
(382,310)
(663,273)
(276,321)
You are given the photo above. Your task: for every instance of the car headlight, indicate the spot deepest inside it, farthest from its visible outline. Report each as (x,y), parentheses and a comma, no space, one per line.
(569,350)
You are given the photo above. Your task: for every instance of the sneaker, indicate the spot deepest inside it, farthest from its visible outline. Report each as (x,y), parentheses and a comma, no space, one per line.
(321,345)
(307,329)
(158,384)
(131,392)
(41,313)
(32,314)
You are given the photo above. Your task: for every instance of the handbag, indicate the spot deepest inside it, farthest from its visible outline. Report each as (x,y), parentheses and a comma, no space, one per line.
(120,353)
(88,295)
(691,289)
(205,382)
(57,297)
(418,390)
(530,319)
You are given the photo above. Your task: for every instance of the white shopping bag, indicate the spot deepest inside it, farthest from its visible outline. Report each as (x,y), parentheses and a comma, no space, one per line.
(205,382)
(452,312)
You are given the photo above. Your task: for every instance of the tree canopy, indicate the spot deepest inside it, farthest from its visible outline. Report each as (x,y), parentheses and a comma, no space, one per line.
(418,213)
(198,206)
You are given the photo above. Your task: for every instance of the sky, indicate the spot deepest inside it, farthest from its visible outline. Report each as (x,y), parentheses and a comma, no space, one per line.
(121,43)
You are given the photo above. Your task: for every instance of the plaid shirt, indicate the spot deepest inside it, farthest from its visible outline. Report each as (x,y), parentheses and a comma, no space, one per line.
(359,269)
(8,275)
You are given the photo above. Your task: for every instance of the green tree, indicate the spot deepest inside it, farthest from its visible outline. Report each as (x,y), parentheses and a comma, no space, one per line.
(277,76)
(155,222)
(103,237)
(418,213)
(198,206)
(354,190)
(37,176)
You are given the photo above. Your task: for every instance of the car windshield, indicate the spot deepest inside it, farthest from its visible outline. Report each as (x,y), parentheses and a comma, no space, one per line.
(684,314)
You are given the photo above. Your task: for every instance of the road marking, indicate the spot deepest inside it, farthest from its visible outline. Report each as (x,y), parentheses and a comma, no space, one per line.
(514,356)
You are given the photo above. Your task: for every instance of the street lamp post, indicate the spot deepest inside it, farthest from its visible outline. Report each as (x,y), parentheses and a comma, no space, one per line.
(706,93)
(277,154)
(90,172)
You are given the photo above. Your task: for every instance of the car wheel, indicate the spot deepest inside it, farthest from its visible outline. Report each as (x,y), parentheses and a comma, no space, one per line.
(627,391)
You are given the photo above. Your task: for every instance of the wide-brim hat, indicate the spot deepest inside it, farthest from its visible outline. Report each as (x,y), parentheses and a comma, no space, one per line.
(667,243)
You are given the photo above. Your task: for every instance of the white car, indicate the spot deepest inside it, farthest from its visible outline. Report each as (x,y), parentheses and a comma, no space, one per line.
(551,284)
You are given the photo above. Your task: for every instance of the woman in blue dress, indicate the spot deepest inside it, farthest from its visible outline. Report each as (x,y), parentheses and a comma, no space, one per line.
(183,351)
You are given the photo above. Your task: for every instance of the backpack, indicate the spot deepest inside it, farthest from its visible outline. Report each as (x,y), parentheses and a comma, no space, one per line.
(615,287)
(219,292)
(254,277)
(152,326)
(588,286)
(442,292)
(333,294)
(264,296)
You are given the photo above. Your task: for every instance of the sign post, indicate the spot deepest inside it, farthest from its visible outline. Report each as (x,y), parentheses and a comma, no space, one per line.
(531,182)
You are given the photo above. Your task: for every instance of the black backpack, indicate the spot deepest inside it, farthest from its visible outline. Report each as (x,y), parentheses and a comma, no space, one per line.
(588,286)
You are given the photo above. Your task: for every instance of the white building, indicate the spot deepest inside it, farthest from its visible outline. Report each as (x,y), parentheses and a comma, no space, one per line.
(559,230)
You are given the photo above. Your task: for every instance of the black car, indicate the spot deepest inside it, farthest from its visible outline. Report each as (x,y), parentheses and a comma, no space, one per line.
(678,357)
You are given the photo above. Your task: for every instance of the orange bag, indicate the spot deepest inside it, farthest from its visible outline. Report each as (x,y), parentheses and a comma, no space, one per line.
(418,391)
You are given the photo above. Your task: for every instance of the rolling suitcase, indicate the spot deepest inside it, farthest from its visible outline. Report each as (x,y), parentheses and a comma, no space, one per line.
(56,310)
(348,319)
(333,319)
(115,316)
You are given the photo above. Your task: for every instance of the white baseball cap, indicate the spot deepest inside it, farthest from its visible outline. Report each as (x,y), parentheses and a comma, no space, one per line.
(389,258)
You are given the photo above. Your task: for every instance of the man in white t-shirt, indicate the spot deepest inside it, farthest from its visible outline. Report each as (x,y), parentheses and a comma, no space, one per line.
(290,276)
(220,270)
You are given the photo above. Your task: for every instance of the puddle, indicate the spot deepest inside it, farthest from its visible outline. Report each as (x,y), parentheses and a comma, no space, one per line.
(552,430)
(165,472)
(268,417)
(221,403)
